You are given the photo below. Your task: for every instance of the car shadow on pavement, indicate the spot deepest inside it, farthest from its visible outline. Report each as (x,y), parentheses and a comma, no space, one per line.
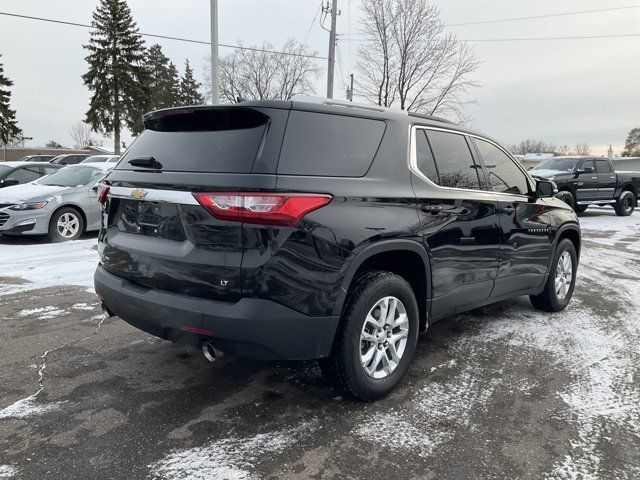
(37,239)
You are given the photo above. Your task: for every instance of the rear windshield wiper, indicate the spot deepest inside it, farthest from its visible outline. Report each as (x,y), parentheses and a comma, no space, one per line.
(145,162)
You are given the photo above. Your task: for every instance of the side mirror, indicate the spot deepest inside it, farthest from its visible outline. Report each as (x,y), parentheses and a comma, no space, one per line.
(545,189)
(9,182)
(584,170)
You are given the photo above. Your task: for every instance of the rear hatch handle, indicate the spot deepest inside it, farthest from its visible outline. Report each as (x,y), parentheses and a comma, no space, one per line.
(145,162)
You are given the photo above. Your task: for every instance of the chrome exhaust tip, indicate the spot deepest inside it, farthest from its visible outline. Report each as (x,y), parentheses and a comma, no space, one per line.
(209,352)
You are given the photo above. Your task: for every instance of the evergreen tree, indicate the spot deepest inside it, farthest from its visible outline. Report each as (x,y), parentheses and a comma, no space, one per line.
(173,88)
(190,88)
(164,82)
(116,76)
(632,144)
(9,129)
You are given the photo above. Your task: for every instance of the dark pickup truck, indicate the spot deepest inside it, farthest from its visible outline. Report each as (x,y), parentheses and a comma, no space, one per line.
(584,181)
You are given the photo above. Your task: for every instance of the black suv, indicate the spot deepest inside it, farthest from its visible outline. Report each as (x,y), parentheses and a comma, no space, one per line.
(301,230)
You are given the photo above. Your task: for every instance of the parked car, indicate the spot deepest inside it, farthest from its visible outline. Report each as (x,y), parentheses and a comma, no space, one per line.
(69,159)
(584,181)
(101,159)
(37,158)
(16,173)
(301,230)
(62,205)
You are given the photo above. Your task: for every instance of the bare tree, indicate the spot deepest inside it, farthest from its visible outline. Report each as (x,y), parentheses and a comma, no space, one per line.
(583,149)
(407,60)
(81,134)
(260,75)
(532,146)
(562,151)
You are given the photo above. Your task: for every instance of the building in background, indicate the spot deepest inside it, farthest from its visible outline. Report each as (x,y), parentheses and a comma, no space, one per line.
(13,154)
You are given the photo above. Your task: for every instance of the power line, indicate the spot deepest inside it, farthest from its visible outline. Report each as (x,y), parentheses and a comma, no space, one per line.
(547,38)
(166,37)
(541,16)
(312,23)
(524,39)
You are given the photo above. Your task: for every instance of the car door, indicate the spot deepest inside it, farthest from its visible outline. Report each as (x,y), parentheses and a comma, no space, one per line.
(607,179)
(525,233)
(586,182)
(458,221)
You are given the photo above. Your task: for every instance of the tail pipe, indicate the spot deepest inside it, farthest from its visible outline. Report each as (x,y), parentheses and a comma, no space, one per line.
(210,352)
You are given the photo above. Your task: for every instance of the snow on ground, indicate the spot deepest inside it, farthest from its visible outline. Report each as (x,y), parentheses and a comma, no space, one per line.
(45,265)
(7,471)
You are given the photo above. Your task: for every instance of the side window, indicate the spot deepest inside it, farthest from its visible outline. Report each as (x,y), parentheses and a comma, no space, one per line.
(49,170)
(503,174)
(424,157)
(602,166)
(453,160)
(26,174)
(588,164)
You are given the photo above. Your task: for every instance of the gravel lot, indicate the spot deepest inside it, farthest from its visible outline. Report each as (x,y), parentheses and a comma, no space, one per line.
(500,392)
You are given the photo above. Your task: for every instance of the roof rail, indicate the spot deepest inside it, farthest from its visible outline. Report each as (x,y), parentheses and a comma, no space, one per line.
(344,103)
(430,117)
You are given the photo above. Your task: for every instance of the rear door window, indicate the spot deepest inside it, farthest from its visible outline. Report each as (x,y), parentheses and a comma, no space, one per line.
(25,174)
(329,145)
(454,161)
(602,166)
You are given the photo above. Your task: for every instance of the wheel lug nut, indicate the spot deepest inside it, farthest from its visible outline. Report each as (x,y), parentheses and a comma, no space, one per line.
(379,346)
(386,344)
(388,334)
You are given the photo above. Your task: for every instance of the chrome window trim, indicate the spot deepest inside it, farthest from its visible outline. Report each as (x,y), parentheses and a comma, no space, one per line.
(413,160)
(155,195)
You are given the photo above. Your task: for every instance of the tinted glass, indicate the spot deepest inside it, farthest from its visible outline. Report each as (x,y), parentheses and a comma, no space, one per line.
(50,170)
(424,157)
(560,164)
(602,166)
(588,164)
(26,174)
(4,169)
(73,176)
(96,159)
(454,161)
(329,145)
(503,174)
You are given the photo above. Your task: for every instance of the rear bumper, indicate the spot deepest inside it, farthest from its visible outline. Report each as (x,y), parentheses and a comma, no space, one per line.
(253,328)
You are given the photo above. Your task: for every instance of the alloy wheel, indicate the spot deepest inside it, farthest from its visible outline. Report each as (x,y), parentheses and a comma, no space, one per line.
(68,225)
(383,339)
(564,275)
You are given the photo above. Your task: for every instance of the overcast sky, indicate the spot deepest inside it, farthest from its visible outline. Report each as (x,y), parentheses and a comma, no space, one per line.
(561,91)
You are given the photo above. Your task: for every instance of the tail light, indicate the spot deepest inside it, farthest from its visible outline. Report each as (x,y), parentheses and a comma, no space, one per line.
(103,191)
(285,209)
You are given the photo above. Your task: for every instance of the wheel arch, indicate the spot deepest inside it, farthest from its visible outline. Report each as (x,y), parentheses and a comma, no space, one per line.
(406,258)
(572,233)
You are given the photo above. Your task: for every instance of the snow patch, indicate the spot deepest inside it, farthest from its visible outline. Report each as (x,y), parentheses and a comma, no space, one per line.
(230,458)
(42,313)
(7,471)
(27,407)
(49,265)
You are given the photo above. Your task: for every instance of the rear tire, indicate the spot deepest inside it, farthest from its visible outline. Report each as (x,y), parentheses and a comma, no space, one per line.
(558,290)
(65,224)
(581,208)
(626,204)
(567,197)
(377,336)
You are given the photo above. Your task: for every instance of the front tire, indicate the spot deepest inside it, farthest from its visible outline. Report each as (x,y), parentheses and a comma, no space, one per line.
(377,336)
(626,204)
(567,197)
(559,288)
(65,224)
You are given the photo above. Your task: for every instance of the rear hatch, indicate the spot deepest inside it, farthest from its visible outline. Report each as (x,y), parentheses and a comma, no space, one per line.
(155,232)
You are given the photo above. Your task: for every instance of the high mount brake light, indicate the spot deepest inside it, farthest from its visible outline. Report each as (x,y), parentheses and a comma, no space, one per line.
(285,209)
(103,191)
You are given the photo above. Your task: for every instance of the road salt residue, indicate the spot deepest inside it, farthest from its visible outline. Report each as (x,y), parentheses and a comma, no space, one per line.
(7,471)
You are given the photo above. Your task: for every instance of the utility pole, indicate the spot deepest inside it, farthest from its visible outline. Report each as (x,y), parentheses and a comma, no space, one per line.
(215,66)
(350,89)
(332,47)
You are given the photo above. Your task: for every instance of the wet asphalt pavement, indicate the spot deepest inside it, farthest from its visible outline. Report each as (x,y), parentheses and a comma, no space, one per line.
(501,392)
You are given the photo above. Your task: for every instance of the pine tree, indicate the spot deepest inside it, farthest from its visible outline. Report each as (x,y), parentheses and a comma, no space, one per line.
(164,82)
(9,129)
(190,88)
(116,76)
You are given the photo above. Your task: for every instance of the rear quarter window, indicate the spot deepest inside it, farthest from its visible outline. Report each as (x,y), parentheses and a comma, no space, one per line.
(326,145)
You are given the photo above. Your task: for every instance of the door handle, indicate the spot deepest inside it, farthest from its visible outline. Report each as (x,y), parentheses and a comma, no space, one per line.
(594,178)
(509,210)
(434,208)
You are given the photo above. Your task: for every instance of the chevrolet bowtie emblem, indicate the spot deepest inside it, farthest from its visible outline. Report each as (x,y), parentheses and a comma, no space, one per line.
(138,193)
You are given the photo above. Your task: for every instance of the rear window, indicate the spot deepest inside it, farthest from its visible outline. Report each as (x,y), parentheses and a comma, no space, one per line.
(329,145)
(220,141)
